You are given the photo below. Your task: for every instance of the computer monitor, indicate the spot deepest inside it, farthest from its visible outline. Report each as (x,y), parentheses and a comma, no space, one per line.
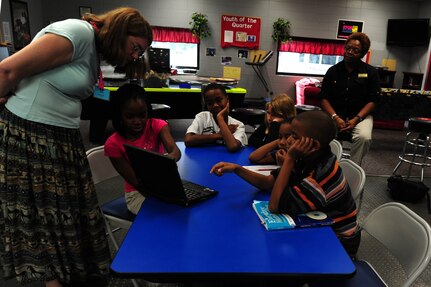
(159,60)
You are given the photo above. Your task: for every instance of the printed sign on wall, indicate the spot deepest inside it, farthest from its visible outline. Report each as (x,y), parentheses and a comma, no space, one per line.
(347,27)
(240,31)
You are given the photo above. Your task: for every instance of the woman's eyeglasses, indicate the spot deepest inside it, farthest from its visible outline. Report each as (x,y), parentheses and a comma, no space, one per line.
(137,49)
(352,50)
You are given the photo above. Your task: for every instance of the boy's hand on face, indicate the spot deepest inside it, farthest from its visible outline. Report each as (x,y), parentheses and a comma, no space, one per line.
(222,167)
(280,156)
(301,147)
(224,112)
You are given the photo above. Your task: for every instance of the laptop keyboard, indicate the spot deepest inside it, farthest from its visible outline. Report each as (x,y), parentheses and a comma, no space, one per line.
(194,190)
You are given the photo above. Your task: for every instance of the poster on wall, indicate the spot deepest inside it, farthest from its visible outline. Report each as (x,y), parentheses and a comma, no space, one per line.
(20,24)
(347,27)
(240,31)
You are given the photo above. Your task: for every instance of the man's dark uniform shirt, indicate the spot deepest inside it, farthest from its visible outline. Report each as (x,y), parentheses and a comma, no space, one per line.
(348,92)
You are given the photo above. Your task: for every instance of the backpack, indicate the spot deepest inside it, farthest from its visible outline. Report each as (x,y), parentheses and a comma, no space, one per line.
(407,190)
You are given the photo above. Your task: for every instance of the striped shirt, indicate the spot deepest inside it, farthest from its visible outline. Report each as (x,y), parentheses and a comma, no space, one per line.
(321,185)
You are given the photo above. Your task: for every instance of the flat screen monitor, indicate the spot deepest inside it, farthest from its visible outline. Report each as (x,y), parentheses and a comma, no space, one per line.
(159,60)
(408,32)
(181,55)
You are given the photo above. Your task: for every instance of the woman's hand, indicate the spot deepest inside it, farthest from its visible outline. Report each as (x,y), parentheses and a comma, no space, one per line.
(5,98)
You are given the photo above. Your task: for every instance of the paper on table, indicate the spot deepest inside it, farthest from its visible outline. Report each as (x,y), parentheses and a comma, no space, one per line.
(262,169)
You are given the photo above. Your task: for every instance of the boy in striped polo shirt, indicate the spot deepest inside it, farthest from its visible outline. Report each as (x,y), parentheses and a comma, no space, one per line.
(310,178)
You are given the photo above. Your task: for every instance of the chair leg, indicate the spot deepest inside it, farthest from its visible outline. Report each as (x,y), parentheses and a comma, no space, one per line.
(360,201)
(111,235)
(114,242)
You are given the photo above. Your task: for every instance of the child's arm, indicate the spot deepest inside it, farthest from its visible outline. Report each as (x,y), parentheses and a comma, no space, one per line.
(227,131)
(169,143)
(192,139)
(264,182)
(124,168)
(262,155)
(301,147)
(194,136)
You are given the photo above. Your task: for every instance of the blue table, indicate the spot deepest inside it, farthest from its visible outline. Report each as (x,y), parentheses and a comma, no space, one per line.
(223,236)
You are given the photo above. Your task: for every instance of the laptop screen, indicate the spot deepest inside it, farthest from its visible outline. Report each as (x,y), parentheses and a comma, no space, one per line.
(158,174)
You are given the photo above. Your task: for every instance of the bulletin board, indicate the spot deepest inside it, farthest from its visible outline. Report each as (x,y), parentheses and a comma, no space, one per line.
(347,27)
(240,31)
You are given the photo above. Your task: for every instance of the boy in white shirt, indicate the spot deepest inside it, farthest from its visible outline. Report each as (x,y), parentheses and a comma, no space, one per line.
(215,125)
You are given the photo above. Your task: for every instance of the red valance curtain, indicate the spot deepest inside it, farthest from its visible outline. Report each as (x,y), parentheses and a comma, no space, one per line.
(313,46)
(170,34)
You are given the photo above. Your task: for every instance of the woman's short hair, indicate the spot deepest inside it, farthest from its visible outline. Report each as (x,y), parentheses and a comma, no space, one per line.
(282,105)
(121,97)
(115,26)
(363,39)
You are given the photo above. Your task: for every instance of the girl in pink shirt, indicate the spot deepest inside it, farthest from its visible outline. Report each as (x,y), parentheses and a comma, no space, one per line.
(134,126)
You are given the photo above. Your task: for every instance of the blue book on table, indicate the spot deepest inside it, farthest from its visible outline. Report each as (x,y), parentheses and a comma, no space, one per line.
(274,221)
(270,220)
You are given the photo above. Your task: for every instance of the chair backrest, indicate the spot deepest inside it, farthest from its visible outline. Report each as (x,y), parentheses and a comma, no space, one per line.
(336,148)
(179,128)
(355,176)
(404,233)
(100,165)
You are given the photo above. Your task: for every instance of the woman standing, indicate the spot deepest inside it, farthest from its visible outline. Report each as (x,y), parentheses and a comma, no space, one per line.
(51,227)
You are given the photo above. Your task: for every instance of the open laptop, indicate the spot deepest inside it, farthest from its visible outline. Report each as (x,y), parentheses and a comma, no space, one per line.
(160,178)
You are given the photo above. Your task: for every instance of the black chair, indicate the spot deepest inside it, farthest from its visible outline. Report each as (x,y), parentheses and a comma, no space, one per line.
(305,108)
(249,116)
(161,111)
(179,127)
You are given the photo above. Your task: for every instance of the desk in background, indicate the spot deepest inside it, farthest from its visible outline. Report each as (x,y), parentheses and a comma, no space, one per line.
(398,105)
(184,103)
(393,107)
(222,237)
